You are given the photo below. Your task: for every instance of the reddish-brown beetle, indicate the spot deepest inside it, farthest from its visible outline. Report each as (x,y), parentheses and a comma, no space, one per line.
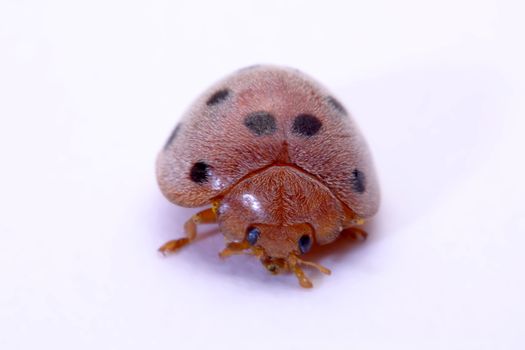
(281,163)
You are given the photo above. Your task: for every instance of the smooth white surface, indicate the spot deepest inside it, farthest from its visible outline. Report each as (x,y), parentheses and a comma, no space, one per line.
(89,93)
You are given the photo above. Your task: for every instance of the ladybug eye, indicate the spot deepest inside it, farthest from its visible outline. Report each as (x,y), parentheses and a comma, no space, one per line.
(305,243)
(252,235)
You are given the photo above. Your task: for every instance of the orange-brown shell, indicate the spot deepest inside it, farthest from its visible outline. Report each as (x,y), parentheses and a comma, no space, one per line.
(214,132)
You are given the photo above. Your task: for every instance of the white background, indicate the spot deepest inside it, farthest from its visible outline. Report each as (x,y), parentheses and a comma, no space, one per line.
(90,91)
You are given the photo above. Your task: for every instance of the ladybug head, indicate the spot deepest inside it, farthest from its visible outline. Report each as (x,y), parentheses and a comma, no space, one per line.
(278,242)
(279,248)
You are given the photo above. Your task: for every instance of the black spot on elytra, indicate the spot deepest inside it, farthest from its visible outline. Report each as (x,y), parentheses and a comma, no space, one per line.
(260,123)
(358,181)
(336,104)
(306,125)
(200,172)
(218,97)
(172,136)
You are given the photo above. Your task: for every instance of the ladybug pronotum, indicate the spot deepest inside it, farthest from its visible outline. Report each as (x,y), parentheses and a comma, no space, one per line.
(280,162)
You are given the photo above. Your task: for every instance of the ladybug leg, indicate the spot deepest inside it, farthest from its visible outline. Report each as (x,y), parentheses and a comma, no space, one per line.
(207,216)
(294,262)
(303,280)
(299,273)
(319,267)
(355,233)
(234,248)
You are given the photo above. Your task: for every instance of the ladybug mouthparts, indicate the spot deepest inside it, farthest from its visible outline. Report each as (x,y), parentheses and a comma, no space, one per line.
(275,265)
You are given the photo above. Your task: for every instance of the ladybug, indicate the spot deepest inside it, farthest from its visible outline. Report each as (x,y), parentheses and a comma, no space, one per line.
(279,161)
